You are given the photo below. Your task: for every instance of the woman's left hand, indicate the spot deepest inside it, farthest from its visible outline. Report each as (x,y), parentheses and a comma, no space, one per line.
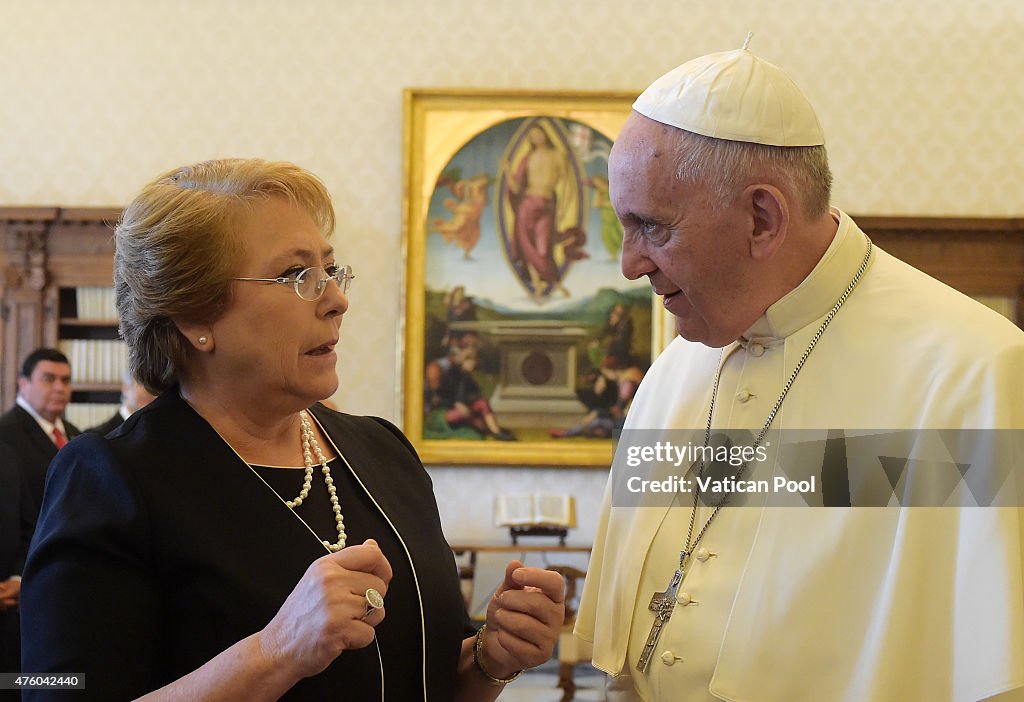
(523,620)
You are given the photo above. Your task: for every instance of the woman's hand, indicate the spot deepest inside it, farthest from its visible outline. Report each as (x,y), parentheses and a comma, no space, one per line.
(523,620)
(324,614)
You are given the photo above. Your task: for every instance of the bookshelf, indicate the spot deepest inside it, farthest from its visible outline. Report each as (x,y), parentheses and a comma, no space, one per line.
(57,291)
(87,333)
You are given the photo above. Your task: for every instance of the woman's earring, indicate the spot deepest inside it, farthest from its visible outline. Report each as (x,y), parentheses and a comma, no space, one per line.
(203,340)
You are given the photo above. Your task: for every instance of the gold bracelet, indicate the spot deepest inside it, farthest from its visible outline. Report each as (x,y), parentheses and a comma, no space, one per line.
(478,653)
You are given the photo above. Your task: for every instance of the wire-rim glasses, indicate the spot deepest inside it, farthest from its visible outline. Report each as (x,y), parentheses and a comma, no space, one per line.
(311,283)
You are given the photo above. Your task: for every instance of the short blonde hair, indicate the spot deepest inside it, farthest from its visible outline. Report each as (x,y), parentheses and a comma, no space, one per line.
(176,250)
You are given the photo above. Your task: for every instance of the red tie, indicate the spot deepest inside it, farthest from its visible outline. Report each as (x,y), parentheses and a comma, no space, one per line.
(58,438)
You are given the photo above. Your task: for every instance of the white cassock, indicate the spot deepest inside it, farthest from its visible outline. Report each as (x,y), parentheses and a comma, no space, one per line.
(819,604)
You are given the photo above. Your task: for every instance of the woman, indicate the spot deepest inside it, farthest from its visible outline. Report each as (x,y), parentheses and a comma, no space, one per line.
(184,556)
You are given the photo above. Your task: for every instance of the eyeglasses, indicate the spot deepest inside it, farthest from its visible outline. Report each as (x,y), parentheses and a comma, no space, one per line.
(311,283)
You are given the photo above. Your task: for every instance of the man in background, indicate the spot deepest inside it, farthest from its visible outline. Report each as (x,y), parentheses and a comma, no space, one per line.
(31,433)
(35,428)
(133,397)
(790,320)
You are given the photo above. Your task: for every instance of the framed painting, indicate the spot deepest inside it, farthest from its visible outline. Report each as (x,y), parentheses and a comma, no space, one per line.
(523,342)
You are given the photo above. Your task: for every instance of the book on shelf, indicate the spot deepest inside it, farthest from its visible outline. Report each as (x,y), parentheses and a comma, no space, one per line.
(535,510)
(86,415)
(95,360)
(95,303)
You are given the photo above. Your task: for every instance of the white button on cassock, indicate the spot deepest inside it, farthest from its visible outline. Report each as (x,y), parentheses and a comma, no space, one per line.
(743,396)
(703,554)
(756,349)
(683,598)
(669,658)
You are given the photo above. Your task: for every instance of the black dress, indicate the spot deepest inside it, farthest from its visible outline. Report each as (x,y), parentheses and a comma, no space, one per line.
(157,548)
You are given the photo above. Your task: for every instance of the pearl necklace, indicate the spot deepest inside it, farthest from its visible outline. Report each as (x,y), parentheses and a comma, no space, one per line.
(309,447)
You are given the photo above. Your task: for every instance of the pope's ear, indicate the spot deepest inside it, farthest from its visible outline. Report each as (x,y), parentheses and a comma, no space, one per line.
(199,335)
(770,215)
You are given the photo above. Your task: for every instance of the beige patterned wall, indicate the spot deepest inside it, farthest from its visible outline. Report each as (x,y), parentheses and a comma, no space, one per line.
(921,99)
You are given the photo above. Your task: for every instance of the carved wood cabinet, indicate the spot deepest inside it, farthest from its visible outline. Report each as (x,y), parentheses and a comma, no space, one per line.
(48,254)
(981,257)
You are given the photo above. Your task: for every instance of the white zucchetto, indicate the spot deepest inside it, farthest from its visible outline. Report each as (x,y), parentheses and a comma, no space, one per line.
(733,95)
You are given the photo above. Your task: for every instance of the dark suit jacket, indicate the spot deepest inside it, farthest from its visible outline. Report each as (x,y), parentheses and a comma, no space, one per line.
(15,523)
(158,547)
(25,446)
(14,533)
(108,426)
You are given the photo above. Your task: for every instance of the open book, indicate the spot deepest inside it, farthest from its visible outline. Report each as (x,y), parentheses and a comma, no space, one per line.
(535,510)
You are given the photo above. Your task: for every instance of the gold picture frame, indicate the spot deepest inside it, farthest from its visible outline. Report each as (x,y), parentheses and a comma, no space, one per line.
(522,340)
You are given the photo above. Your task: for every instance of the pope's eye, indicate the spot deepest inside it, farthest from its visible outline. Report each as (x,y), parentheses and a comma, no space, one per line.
(654,232)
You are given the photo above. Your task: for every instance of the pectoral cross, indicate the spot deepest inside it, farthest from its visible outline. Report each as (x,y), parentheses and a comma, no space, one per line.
(662,604)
